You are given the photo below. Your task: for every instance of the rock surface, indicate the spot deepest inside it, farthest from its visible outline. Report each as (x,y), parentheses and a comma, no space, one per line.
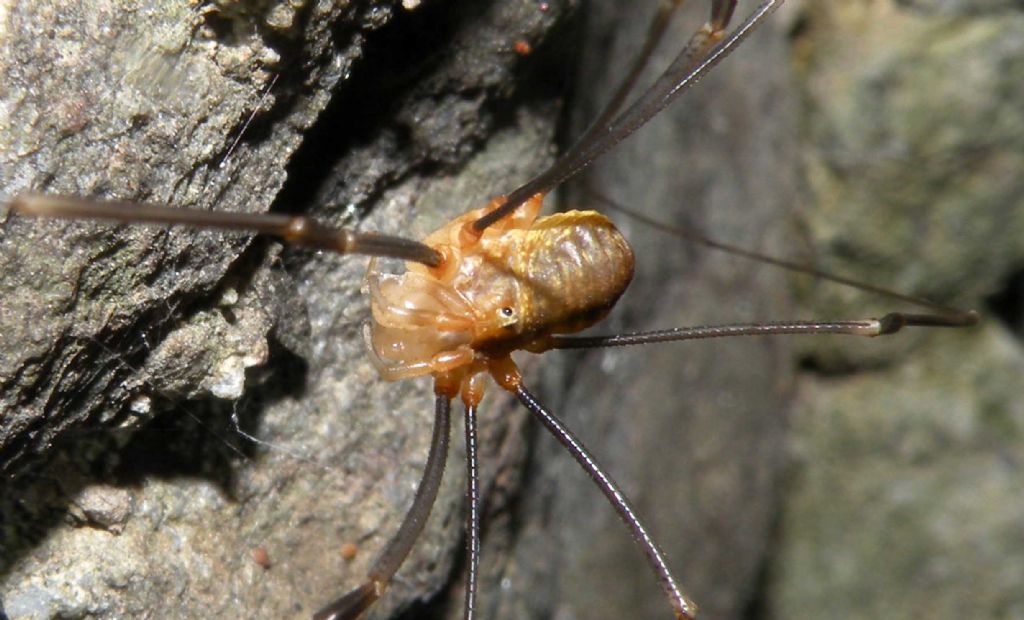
(904,494)
(124,351)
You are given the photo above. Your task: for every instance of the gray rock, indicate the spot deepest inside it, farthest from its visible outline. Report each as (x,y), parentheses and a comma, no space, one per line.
(913,158)
(125,352)
(904,496)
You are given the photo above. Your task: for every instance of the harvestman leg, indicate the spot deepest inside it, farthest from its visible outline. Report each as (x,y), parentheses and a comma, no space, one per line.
(696,236)
(655,32)
(296,230)
(358,600)
(708,46)
(683,607)
(353,604)
(885,326)
(474,503)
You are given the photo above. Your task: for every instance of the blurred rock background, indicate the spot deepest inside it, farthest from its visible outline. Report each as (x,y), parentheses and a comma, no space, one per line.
(904,494)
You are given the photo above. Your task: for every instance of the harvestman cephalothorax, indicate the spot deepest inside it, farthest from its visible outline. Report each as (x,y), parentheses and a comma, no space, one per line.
(500,279)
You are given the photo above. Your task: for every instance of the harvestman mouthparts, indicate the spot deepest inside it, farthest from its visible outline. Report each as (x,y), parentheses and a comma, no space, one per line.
(495,280)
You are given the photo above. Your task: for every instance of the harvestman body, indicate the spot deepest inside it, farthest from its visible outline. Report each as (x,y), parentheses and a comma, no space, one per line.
(500,279)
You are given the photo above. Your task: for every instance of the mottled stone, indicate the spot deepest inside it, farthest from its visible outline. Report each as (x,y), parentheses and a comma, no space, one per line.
(130,356)
(904,496)
(914,155)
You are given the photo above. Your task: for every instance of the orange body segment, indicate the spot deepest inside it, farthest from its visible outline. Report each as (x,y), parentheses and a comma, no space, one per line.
(508,288)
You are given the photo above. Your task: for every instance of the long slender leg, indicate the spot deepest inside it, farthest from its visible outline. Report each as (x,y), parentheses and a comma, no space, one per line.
(888,324)
(300,231)
(683,607)
(472,513)
(353,604)
(721,13)
(655,31)
(695,236)
(706,49)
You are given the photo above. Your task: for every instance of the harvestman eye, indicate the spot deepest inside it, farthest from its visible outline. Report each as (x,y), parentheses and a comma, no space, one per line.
(427,321)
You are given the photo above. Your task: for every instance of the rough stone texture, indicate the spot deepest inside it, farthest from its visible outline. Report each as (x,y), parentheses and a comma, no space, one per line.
(913,158)
(905,494)
(907,498)
(127,492)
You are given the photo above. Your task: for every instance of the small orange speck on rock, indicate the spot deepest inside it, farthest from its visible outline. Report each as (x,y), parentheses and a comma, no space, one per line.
(261,557)
(349,551)
(523,48)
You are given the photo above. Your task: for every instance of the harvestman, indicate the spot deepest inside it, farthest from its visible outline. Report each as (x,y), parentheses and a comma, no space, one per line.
(500,279)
